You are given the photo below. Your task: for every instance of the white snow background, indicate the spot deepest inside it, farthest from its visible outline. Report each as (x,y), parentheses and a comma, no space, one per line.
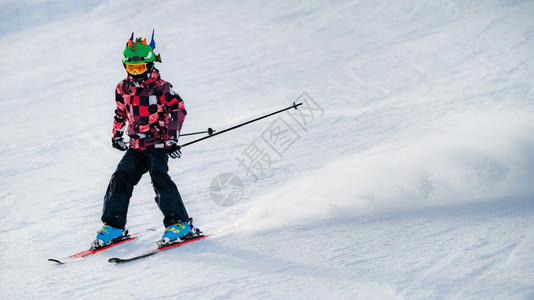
(415,183)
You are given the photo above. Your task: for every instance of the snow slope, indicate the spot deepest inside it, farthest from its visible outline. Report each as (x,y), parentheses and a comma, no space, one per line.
(411,176)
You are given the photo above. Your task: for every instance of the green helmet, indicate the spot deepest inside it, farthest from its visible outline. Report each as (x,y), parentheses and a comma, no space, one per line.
(139,51)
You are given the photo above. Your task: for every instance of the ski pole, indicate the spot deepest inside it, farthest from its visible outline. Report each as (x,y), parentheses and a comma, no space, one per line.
(295,106)
(209,132)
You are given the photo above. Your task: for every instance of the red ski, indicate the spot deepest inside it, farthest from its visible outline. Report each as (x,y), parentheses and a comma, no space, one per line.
(88,252)
(152,252)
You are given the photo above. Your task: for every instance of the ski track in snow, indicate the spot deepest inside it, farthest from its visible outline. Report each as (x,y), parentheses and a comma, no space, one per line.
(414,180)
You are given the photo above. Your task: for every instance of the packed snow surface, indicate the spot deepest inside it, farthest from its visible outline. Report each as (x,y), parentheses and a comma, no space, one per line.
(407,173)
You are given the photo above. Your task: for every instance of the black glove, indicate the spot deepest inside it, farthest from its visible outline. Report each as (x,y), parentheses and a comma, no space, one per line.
(118,143)
(173,149)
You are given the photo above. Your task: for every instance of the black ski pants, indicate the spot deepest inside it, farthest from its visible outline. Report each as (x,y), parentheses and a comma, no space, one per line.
(131,168)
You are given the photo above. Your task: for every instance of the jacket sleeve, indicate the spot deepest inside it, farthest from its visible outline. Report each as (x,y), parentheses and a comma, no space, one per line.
(119,123)
(176,109)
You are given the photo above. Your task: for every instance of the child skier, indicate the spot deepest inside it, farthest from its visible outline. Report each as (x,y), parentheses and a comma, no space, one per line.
(153,114)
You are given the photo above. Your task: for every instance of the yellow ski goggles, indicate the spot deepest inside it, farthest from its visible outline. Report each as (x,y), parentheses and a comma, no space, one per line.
(136,69)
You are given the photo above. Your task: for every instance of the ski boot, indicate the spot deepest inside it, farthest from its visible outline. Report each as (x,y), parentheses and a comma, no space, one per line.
(107,236)
(179,232)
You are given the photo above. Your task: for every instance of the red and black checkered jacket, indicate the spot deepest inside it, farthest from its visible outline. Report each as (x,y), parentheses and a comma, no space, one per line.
(151,110)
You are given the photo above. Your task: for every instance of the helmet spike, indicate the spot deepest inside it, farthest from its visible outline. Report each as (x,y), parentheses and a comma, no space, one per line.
(152,43)
(130,41)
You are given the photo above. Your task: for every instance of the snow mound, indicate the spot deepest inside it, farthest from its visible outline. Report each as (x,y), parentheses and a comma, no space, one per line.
(468,157)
